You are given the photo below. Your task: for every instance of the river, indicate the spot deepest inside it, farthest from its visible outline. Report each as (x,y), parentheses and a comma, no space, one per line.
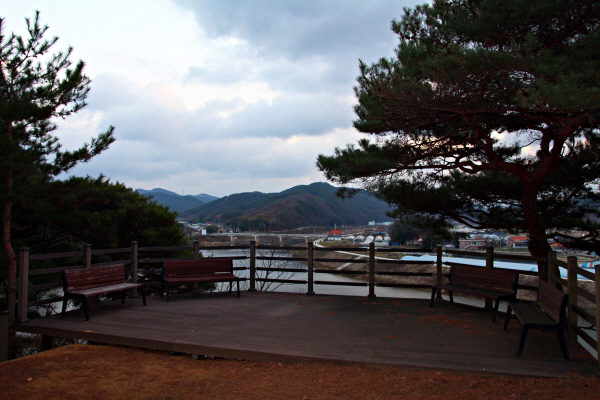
(318,288)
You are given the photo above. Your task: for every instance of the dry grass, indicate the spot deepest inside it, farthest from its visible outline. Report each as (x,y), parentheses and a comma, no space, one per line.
(107,372)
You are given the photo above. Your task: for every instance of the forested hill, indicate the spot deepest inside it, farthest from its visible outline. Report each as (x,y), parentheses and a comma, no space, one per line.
(174,201)
(306,205)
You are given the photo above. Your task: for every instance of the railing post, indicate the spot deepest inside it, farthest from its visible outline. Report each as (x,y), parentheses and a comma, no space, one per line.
(23,298)
(134,268)
(489,264)
(553,268)
(196,246)
(87,255)
(597,282)
(252,287)
(310,257)
(438,270)
(4,326)
(134,262)
(573,301)
(372,269)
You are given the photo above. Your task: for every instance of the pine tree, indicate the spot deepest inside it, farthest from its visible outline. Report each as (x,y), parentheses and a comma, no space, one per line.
(488,115)
(36,88)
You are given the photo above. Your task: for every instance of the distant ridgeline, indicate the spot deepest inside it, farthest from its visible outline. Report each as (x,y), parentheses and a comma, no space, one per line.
(176,202)
(305,205)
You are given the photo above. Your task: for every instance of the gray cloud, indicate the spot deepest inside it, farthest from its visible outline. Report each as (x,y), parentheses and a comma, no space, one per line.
(301,29)
(264,88)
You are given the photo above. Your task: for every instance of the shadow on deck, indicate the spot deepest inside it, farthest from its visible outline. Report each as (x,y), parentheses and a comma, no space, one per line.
(283,327)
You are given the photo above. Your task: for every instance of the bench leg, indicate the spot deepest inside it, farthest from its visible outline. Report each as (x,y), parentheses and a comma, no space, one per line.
(238,287)
(433,290)
(524,332)
(496,306)
(563,343)
(508,315)
(123,295)
(64,307)
(85,308)
(230,286)
(167,290)
(451,298)
(162,289)
(143,293)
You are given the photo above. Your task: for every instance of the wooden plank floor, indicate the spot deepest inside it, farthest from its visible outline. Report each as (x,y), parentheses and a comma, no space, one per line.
(283,327)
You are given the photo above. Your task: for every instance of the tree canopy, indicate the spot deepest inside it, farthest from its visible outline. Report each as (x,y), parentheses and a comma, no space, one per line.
(96,211)
(487,116)
(36,89)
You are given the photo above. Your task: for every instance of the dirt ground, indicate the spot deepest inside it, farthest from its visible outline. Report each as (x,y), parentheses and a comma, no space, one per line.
(107,372)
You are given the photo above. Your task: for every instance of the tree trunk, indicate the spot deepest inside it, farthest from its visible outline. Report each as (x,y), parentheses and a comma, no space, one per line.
(11,290)
(538,242)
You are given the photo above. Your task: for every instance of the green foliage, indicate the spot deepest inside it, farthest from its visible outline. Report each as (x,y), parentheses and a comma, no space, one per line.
(211,229)
(488,115)
(96,211)
(35,88)
(402,232)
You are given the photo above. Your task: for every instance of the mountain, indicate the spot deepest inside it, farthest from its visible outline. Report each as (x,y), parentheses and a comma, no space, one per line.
(305,205)
(174,201)
(205,198)
(155,191)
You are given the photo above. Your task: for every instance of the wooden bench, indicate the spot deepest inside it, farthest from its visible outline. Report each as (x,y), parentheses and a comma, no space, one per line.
(547,313)
(201,271)
(481,282)
(81,283)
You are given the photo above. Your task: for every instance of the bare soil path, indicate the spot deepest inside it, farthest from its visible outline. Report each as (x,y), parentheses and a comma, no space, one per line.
(108,372)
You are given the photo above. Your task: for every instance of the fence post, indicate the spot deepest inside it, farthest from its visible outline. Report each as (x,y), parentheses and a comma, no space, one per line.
(134,262)
(4,326)
(310,256)
(489,264)
(23,298)
(87,255)
(196,246)
(573,300)
(134,268)
(597,282)
(252,287)
(553,269)
(438,271)
(372,269)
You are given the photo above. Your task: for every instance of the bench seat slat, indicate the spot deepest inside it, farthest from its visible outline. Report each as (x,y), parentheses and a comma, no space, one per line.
(95,291)
(477,291)
(531,313)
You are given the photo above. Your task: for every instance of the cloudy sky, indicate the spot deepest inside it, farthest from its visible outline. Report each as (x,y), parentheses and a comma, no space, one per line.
(215,96)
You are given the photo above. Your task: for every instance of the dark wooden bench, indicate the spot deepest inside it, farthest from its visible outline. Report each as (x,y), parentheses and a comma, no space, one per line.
(201,271)
(82,283)
(481,282)
(547,313)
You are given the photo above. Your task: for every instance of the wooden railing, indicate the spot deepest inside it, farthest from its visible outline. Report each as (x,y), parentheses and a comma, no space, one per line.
(576,313)
(140,259)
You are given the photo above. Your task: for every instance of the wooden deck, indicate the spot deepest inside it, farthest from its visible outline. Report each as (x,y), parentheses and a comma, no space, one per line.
(282,327)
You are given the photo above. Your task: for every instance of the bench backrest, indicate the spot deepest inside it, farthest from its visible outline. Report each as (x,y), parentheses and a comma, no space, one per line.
(204,266)
(552,301)
(92,277)
(479,277)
